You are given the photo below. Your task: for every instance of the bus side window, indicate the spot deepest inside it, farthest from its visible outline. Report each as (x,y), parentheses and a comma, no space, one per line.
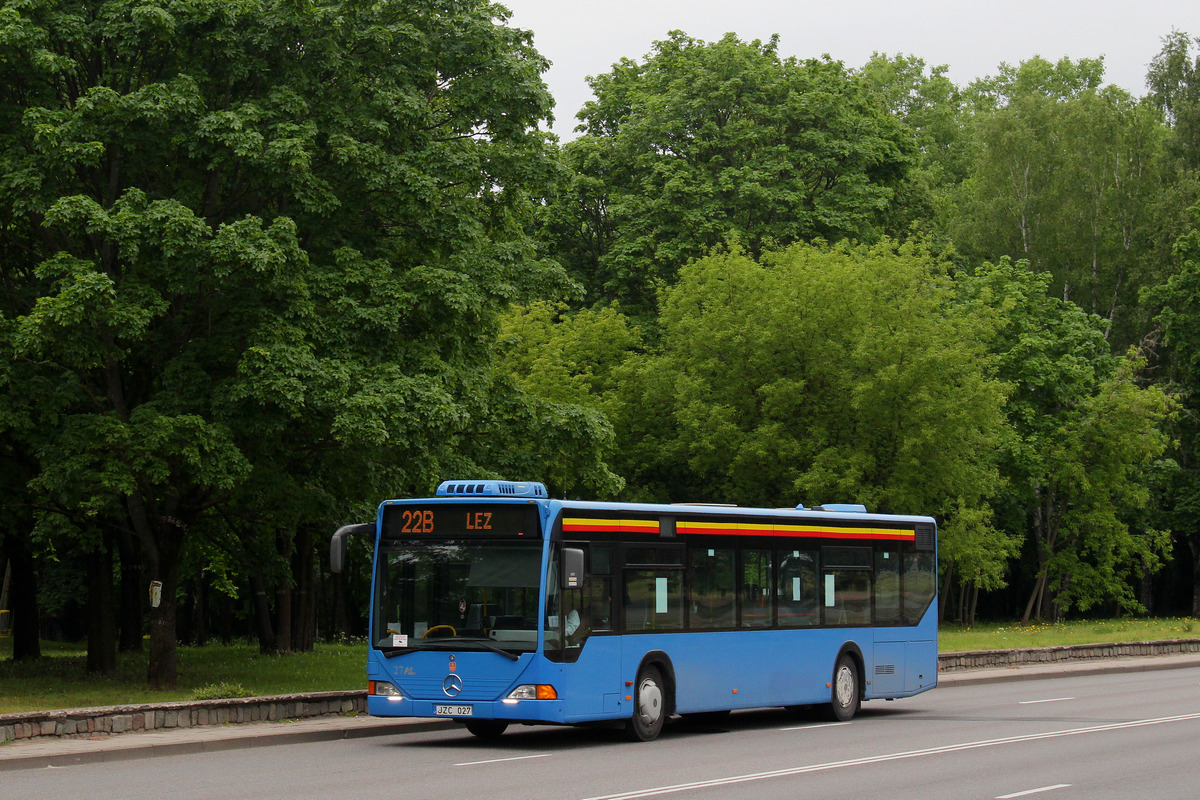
(712,588)
(756,591)
(797,589)
(887,587)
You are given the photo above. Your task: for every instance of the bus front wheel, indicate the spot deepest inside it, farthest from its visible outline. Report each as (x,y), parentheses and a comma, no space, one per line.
(649,706)
(487,728)
(844,695)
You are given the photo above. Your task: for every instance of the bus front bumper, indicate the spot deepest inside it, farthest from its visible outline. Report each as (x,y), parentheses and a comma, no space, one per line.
(549,711)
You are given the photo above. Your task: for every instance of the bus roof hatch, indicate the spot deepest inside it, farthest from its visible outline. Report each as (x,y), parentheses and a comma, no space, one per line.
(491,489)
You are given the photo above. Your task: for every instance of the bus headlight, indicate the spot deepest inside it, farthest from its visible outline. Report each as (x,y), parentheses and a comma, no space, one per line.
(529,691)
(383,689)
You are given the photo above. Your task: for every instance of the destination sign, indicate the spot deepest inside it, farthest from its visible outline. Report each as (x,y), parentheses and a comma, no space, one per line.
(454,520)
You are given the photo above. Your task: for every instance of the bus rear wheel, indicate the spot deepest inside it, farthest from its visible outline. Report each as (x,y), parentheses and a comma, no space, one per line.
(844,695)
(649,706)
(487,728)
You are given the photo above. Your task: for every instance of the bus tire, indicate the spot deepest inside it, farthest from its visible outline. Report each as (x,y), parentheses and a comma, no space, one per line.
(487,728)
(844,694)
(649,706)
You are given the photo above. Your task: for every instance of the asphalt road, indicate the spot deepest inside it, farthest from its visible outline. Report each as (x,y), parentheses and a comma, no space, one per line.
(1123,735)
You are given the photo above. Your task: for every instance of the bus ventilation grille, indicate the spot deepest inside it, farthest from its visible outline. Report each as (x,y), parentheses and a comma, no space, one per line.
(491,489)
(926,535)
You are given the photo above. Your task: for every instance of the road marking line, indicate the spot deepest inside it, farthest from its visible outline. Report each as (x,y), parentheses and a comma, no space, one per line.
(499,760)
(1033,791)
(814,727)
(1051,700)
(857,762)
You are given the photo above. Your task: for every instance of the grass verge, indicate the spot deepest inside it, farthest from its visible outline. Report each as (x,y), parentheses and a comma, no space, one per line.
(58,679)
(1009,635)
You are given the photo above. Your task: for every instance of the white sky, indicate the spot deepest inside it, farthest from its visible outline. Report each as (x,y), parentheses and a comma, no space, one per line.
(971,37)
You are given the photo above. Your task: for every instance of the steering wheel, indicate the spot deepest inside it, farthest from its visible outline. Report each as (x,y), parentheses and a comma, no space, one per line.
(450,628)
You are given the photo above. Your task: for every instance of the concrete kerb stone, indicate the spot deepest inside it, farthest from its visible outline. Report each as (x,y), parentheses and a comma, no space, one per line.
(112,720)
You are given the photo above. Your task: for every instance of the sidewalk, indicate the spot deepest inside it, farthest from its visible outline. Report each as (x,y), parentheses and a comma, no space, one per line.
(54,752)
(967,677)
(51,752)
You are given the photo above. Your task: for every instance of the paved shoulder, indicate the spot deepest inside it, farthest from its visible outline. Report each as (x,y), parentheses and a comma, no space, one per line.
(51,752)
(967,677)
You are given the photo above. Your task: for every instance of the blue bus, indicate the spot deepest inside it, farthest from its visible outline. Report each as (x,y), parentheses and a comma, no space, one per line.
(493,604)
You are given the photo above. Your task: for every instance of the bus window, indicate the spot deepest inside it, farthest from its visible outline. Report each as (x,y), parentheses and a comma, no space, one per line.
(653,599)
(712,588)
(846,585)
(796,591)
(920,580)
(887,587)
(756,588)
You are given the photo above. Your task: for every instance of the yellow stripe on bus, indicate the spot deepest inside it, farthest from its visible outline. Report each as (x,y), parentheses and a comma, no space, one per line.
(623,525)
(717,528)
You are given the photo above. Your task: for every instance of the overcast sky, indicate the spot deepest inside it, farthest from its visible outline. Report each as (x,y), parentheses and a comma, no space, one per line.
(972,38)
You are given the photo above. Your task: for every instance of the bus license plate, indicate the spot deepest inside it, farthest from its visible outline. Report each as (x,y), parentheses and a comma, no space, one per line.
(454,711)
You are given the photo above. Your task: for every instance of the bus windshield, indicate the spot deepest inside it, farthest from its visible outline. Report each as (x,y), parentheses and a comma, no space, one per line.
(469,594)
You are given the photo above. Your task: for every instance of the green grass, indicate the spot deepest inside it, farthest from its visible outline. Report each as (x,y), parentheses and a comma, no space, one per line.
(58,681)
(1009,635)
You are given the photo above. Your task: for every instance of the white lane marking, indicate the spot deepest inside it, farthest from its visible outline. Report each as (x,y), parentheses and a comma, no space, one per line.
(499,760)
(856,762)
(815,727)
(1033,791)
(1051,700)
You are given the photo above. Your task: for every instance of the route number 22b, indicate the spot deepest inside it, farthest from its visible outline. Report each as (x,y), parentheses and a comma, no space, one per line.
(417,521)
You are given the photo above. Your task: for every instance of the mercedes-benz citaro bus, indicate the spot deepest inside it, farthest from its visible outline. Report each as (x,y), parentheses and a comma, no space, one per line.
(493,604)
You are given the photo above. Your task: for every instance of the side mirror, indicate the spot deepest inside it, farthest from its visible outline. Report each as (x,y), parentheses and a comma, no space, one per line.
(337,544)
(572,568)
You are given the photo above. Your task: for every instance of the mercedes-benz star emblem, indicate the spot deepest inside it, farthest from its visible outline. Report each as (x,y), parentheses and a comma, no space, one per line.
(452,686)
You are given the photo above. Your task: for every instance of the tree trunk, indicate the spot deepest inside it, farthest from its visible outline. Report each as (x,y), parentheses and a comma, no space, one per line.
(133,589)
(162,541)
(343,621)
(163,672)
(1194,544)
(199,608)
(304,609)
(102,629)
(23,600)
(283,597)
(1034,599)
(262,614)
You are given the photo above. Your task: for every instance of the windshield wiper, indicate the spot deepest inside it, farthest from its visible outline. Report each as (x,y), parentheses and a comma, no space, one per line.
(452,642)
(392,652)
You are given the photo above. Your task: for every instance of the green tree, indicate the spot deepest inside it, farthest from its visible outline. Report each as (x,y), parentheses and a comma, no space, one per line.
(935,113)
(1174,82)
(828,374)
(1067,174)
(703,141)
(259,249)
(1178,303)
(1086,432)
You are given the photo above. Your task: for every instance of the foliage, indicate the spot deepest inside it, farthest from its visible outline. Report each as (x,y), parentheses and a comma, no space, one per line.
(1174,82)
(1178,303)
(259,282)
(830,372)
(703,141)
(1067,174)
(1086,433)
